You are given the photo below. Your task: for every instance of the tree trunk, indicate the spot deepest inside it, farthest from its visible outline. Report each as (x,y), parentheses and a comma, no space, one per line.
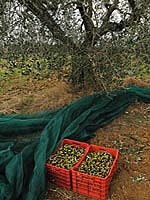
(82,72)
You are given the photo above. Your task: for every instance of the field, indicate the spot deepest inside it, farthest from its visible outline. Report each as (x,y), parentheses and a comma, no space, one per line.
(129,133)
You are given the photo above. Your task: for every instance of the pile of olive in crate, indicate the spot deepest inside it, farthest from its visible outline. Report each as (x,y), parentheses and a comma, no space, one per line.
(67,156)
(97,164)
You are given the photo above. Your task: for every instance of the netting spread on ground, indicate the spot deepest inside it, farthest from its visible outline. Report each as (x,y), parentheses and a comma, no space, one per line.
(27,140)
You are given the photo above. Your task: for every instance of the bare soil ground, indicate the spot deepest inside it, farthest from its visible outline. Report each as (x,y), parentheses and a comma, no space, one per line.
(130,134)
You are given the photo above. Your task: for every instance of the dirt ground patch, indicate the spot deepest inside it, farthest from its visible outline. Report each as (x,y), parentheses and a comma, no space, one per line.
(129,133)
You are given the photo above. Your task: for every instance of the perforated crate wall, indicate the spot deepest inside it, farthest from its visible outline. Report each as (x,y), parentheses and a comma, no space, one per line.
(94,186)
(61,176)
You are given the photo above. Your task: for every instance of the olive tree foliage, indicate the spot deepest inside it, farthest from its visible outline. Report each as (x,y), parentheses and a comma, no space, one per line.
(78,25)
(17,27)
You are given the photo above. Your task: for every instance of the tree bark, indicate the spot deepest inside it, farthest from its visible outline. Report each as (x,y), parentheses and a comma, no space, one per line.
(82,71)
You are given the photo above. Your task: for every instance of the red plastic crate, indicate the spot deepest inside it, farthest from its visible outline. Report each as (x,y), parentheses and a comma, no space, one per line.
(61,176)
(90,185)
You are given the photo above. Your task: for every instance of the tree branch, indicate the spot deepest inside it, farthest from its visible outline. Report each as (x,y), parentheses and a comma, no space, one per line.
(108,26)
(135,10)
(110,10)
(132,4)
(86,15)
(40,11)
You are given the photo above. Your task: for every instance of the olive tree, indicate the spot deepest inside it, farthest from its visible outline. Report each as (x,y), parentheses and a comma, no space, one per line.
(80,25)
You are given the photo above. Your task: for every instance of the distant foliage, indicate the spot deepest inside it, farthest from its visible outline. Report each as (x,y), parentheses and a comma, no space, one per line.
(35,66)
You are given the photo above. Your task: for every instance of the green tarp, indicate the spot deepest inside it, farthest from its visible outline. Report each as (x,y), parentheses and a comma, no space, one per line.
(27,140)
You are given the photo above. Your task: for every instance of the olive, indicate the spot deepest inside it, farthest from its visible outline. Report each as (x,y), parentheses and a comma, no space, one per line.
(97,164)
(66,156)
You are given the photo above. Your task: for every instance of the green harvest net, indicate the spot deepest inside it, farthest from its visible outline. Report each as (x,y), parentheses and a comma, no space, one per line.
(27,140)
